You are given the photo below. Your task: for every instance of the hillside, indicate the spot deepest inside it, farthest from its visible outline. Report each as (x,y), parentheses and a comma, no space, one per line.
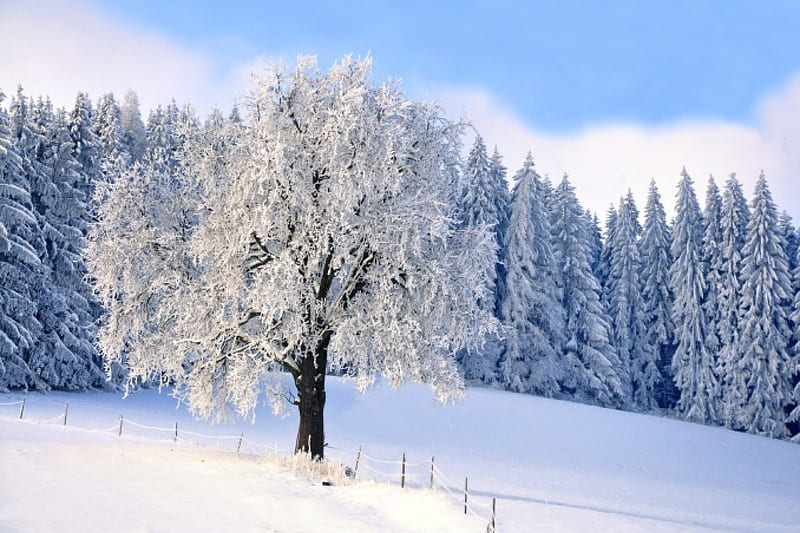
(553,466)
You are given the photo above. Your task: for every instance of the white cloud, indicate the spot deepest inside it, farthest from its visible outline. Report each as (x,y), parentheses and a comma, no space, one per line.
(59,47)
(604,161)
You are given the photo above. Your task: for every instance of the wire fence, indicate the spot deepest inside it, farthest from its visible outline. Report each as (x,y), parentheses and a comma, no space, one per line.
(426,474)
(423,474)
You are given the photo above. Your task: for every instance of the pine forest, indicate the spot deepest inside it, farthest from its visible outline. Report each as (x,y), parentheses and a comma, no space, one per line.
(339,228)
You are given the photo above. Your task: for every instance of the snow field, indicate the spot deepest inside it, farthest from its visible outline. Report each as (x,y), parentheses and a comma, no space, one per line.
(553,467)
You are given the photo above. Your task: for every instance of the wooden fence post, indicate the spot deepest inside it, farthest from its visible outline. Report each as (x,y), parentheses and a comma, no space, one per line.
(466,493)
(121,419)
(22,409)
(239,446)
(432,471)
(66,412)
(403,473)
(494,514)
(358,458)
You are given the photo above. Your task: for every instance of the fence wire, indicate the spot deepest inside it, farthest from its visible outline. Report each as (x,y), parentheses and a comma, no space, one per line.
(437,479)
(11,403)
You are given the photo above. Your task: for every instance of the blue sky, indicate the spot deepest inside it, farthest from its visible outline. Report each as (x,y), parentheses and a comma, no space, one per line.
(612,92)
(560,64)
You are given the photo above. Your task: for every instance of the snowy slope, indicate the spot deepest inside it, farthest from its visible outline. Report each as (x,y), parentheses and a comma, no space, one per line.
(553,466)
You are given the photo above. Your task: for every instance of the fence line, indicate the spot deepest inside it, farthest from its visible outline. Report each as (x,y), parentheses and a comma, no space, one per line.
(54,419)
(11,403)
(218,437)
(151,428)
(437,479)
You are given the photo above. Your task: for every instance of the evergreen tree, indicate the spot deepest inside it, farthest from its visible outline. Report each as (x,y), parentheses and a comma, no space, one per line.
(548,194)
(107,124)
(66,358)
(713,263)
(626,308)
(692,364)
(595,242)
(764,365)
(591,366)
(794,415)
(134,134)
(185,128)
(482,206)
(87,149)
(530,307)
(656,260)
(734,220)
(604,267)
(20,247)
(234,116)
(503,202)
(500,197)
(790,237)
(161,143)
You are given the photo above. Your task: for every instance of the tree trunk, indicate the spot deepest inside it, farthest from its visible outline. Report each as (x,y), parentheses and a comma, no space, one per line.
(310,383)
(311,404)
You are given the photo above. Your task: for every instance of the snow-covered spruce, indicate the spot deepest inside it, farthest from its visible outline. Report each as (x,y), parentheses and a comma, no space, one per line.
(483,204)
(693,365)
(735,216)
(764,363)
(656,257)
(591,368)
(794,416)
(19,264)
(713,263)
(639,372)
(531,306)
(324,237)
(47,321)
(791,240)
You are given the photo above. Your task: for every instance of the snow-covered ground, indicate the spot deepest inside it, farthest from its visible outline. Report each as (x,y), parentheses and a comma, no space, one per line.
(553,467)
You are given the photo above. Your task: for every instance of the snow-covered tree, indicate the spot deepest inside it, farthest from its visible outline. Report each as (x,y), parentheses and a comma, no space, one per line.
(794,416)
(607,252)
(656,257)
(713,263)
(791,239)
(591,368)
(107,123)
(20,266)
(65,356)
(764,363)
(483,205)
(530,306)
(503,202)
(185,129)
(735,216)
(547,193)
(627,310)
(692,364)
(595,242)
(326,238)
(134,134)
(159,150)
(87,148)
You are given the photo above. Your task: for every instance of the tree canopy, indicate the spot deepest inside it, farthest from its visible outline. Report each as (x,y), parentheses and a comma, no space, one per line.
(320,236)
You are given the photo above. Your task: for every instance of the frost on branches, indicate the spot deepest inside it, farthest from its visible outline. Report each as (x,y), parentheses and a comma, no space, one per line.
(692,364)
(765,364)
(530,306)
(318,234)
